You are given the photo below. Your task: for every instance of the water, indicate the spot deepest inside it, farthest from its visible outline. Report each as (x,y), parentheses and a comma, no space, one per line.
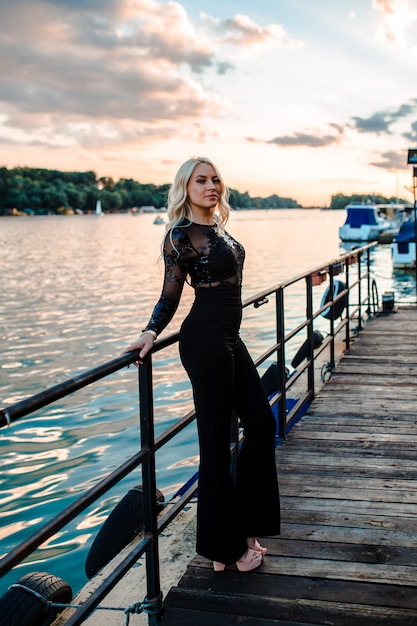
(76,290)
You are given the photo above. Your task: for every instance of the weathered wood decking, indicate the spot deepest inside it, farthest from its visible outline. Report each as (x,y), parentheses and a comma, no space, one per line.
(347,554)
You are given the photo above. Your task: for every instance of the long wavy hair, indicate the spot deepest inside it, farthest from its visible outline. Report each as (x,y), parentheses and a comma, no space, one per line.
(178,208)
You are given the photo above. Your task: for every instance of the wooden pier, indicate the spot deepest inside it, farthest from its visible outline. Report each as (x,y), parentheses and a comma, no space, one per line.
(347,553)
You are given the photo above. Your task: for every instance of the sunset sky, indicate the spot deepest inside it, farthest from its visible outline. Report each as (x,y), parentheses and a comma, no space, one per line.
(302,98)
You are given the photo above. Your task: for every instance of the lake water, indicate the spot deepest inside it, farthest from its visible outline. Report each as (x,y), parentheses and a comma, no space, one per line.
(75,291)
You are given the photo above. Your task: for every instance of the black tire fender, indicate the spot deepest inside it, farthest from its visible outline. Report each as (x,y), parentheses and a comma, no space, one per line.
(20,607)
(271,379)
(303,351)
(120,528)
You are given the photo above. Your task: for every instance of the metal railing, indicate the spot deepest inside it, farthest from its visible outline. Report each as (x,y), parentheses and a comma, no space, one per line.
(359,299)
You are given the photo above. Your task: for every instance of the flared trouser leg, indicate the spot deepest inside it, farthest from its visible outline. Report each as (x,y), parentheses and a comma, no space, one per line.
(256,478)
(223,378)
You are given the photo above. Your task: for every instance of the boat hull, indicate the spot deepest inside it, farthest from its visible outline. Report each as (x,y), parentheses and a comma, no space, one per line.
(403,249)
(371,222)
(403,255)
(364,233)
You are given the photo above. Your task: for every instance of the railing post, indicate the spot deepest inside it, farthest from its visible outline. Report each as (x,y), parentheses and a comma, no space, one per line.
(282,402)
(347,336)
(368,273)
(360,293)
(154,596)
(331,287)
(309,312)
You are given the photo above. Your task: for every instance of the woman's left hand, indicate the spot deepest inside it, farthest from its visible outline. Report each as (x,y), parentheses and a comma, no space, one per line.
(144,344)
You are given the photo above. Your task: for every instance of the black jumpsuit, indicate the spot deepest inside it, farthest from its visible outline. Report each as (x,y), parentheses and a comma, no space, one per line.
(223,377)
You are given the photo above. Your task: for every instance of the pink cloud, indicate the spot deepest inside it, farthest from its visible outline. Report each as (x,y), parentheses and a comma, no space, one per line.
(242,31)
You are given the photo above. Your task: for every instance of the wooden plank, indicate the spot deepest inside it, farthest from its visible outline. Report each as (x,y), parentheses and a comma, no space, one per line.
(349,519)
(355,494)
(345,424)
(334,504)
(358,437)
(354,461)
(314,612)
(290,479)
(294,528)
(305,588)
(328,550)
(188,617)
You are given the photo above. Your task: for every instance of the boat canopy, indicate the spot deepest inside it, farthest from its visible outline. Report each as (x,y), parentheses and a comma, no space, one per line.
(359,215)
(406,233)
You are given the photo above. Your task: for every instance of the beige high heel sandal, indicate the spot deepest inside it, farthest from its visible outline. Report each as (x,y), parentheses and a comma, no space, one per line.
(250,560)
(254,544)
(218,567)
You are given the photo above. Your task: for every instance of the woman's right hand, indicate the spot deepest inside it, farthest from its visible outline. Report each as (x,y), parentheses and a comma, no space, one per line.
(144,344)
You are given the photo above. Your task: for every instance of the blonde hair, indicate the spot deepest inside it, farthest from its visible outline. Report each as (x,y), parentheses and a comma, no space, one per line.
(178,208)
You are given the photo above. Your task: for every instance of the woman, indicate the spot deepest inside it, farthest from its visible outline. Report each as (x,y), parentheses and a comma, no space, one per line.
(230,515)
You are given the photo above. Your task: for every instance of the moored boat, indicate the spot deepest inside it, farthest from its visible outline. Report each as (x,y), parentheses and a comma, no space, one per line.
(370,222)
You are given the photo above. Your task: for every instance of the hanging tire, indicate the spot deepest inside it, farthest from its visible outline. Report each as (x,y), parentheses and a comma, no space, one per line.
(120,528)
(374,305)
(20,607)
(339,306)
(271,379)
(303,352)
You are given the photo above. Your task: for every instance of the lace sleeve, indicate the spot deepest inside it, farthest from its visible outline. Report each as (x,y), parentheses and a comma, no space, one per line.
(177,248)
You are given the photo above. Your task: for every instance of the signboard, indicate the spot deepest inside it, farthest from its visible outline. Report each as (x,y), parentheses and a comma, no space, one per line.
(412,156)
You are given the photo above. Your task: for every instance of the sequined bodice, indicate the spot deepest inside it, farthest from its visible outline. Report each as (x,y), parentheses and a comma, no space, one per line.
(206,255)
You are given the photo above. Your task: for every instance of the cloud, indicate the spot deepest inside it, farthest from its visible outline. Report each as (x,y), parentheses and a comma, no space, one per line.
(101,71)
(392,161)
(308,140)
(385,6)
(396,21)
(244,32)
(381,121)
(376,123)
(97,72)
(412,136)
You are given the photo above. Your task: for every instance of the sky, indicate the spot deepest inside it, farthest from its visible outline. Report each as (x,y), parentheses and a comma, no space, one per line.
(301,98)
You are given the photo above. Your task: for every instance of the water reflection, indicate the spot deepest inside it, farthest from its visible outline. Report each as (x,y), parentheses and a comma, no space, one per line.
(404,285)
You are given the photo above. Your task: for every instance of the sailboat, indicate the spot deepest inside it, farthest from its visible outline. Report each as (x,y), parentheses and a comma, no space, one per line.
(99,208)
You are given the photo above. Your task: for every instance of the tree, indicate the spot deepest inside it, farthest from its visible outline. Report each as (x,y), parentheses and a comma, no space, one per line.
(340,200)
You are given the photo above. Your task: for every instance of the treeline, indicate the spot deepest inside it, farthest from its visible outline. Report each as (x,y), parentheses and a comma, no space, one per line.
(340,201)
(44,191)
(245,201)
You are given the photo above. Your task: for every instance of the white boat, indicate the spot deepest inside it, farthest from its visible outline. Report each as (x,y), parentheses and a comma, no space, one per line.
(99,208)
(369,222)
(403,248)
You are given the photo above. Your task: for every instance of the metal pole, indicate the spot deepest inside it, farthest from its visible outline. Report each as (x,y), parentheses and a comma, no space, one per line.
(154,596)
(331,287)
(282,402)
(309,308)
(347,340)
